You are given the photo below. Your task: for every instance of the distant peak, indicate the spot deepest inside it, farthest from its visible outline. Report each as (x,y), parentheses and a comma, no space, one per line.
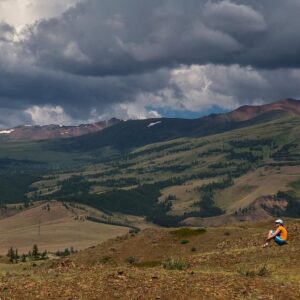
(289,100)
(54,131)
(247,112)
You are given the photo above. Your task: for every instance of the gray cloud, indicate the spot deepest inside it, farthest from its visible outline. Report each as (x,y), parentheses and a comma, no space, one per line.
(197,88)
(111,38)
(233,18)
(102,58)
(24,86)
(22,12)
(106,37)
(7,32)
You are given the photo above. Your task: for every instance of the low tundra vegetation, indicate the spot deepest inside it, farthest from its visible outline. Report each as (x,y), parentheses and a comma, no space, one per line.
(148,264)
(262,270)
(131,260)
(188,232)
(175,264)
(107,260)
(183,242)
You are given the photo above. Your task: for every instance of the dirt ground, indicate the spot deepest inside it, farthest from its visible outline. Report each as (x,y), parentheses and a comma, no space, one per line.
(216,263)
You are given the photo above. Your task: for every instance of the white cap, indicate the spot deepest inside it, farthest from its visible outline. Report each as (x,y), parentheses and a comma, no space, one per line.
(279,221)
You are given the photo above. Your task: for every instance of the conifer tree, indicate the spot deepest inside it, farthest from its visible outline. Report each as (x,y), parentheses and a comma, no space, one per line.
(67,252)
(11,254)
(35,251)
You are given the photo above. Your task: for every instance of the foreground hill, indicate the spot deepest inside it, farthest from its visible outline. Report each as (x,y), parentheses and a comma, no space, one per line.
(212,263)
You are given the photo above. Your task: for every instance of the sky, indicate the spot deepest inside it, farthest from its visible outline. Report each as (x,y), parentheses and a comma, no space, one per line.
(79,61)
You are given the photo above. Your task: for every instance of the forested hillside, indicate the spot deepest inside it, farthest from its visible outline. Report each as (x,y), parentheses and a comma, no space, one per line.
(190,175)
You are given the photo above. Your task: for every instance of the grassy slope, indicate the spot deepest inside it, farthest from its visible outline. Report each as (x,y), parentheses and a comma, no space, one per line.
(182,158)
(59,229)
(158,162)
(227,263)
(261,182)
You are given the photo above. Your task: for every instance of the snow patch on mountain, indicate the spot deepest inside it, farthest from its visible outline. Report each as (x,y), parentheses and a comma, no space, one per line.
(153,124)
(7,131)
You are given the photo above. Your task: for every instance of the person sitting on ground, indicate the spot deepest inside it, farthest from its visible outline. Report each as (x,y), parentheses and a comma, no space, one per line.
(279,235)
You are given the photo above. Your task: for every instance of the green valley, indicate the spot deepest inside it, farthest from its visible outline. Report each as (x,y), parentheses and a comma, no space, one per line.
(186,173)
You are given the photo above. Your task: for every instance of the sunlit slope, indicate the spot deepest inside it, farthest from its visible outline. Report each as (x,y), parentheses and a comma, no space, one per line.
(253,161)
(202,168)
(53,226)
(212,263)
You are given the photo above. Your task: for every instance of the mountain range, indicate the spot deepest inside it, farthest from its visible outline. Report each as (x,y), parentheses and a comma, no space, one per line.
(241,165)
(153,130)
(37,132)
(128,135)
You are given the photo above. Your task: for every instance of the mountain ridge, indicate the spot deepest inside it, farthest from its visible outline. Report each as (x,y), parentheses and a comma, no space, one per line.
(174,127)
(247,112)
(130,134)
(53,131)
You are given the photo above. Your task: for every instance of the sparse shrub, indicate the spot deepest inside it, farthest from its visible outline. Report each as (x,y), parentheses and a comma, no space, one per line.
(183,242)
(107,260)
(134,230)
(172,264)
(188,232)
(131,260)
(263,271)
(247,273)
(260,271)
(148,264)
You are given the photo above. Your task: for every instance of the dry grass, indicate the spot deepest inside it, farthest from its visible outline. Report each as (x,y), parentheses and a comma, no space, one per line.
(59,228)
(261,182)
(152,265)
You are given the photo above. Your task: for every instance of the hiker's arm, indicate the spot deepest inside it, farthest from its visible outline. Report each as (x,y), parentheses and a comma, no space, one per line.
(274,234)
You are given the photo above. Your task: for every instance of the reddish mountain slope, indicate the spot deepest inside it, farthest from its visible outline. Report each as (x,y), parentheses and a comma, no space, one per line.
(26,132)
(248,112)
(152,130)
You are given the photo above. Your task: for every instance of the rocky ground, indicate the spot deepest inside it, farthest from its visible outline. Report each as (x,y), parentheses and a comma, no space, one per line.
(219,263)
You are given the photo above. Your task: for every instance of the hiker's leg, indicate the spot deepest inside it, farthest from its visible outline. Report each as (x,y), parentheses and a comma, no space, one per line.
(270,234)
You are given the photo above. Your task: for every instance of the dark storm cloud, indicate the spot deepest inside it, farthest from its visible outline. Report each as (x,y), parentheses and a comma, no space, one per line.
(113,38)
(117,38)
(77,95)
(99,54)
